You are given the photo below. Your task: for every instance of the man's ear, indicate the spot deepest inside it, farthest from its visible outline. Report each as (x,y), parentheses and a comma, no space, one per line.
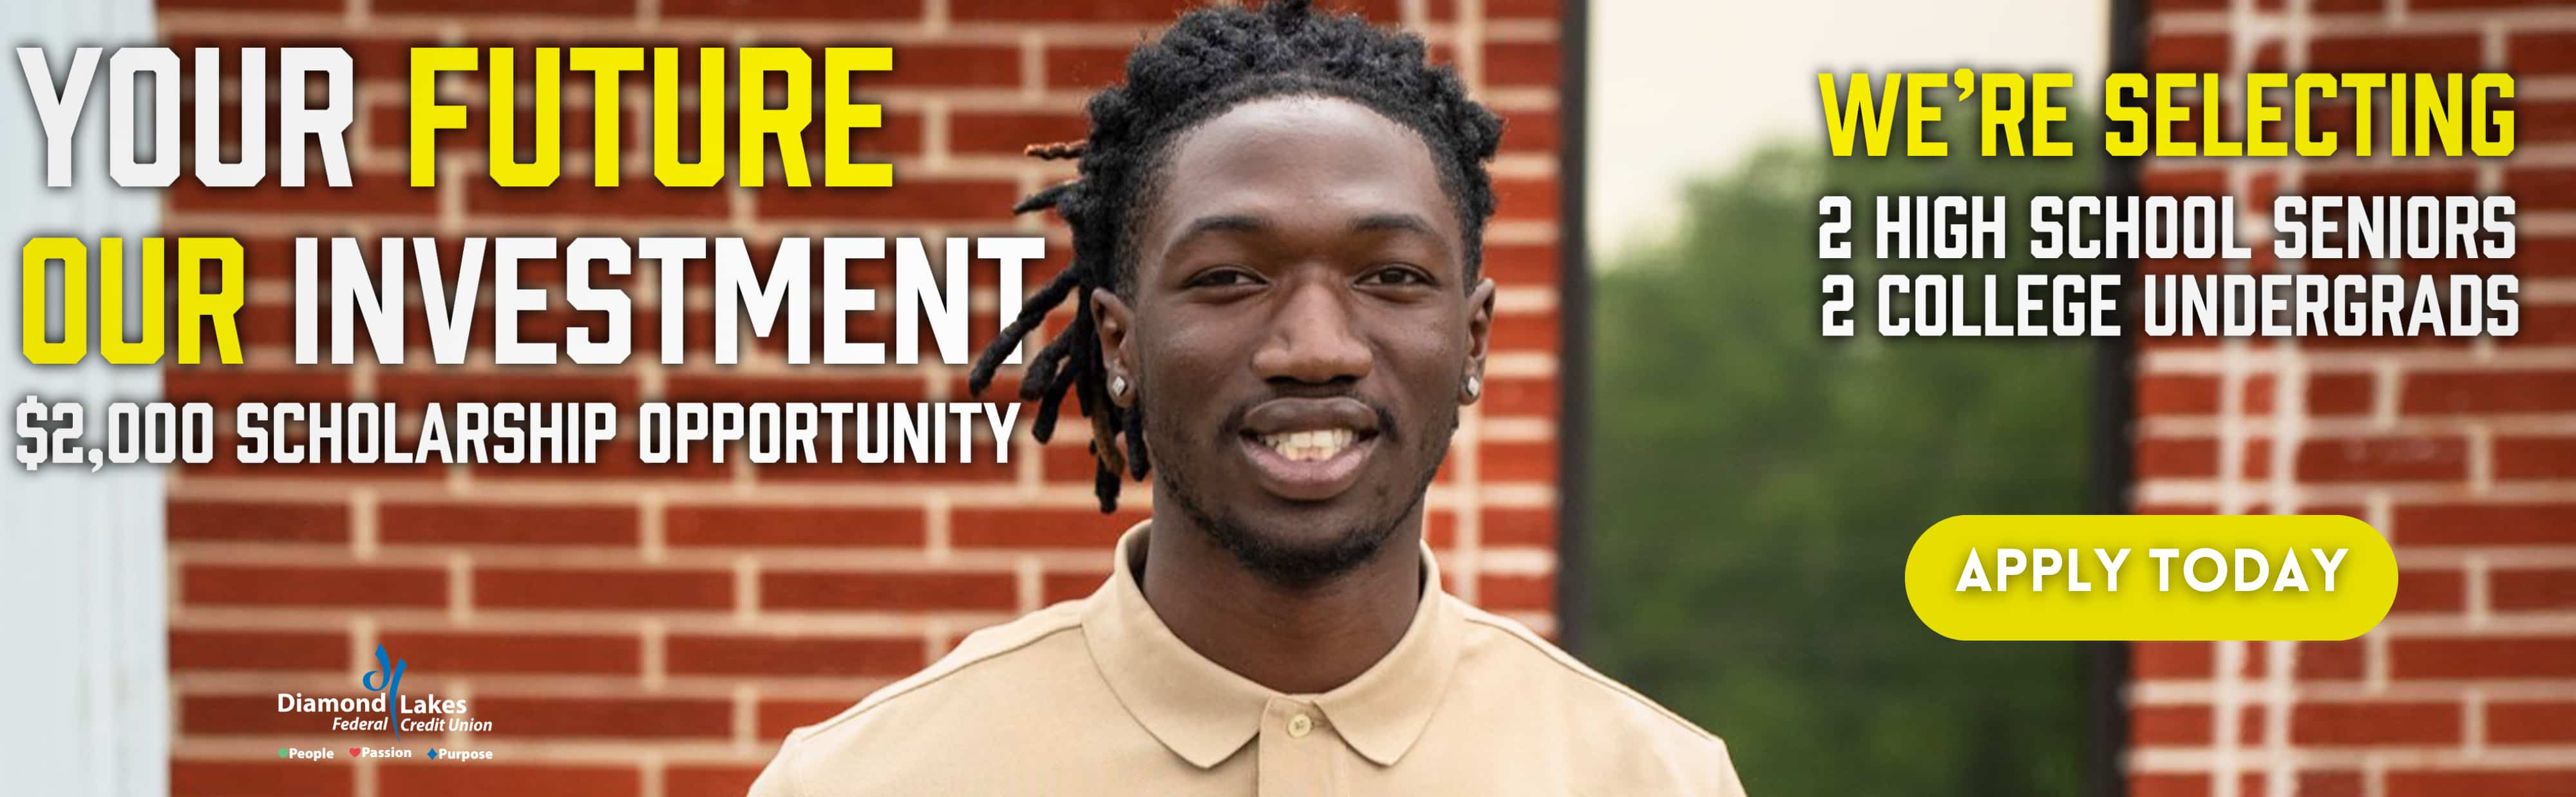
(1111,320)
(1480,328)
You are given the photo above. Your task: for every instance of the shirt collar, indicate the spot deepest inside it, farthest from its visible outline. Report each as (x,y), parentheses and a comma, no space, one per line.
(1204,712)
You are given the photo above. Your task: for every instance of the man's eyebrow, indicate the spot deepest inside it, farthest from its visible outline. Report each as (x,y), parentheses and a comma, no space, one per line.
(1388,222)
(1231,222)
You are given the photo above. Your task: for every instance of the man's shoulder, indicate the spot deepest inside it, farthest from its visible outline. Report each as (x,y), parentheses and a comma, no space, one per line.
(989,671)
(980,656)
(1613,712)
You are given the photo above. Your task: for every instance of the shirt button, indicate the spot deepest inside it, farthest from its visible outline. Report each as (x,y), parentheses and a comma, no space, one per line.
(1300,725)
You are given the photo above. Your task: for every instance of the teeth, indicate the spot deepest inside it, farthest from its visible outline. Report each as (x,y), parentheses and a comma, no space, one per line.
(1310,446)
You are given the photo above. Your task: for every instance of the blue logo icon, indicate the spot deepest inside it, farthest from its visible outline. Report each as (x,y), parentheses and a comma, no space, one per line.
(433,752)
(390,671)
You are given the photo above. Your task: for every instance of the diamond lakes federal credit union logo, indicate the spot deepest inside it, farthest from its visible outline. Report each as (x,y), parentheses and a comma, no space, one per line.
(390,672)
(388,709)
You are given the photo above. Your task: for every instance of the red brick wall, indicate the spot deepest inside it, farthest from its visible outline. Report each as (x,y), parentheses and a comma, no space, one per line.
(655,631)
(2462,452)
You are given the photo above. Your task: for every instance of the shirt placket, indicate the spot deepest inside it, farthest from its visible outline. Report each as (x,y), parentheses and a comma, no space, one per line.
(1296,748)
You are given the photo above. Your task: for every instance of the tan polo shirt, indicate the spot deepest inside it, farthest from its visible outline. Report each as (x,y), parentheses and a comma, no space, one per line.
(1096,697)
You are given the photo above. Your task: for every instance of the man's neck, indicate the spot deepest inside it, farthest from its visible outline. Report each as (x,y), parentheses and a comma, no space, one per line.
(1304,639)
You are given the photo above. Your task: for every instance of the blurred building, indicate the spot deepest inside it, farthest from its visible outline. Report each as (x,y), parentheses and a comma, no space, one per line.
(2461,451)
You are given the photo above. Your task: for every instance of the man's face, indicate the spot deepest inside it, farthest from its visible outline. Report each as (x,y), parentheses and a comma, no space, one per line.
(1300,330)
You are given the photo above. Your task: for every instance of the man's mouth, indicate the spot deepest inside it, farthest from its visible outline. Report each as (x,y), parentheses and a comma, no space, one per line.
(1309,449)
(1310,446)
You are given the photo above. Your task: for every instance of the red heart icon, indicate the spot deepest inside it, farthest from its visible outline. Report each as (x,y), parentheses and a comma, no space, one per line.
(353,752)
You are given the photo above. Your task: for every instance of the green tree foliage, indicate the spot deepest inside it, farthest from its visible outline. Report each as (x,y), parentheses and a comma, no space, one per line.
(1756,486)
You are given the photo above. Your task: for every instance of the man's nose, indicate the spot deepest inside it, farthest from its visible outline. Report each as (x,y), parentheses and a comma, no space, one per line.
(1312,340)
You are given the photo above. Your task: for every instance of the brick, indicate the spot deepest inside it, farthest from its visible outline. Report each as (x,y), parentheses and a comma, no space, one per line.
(2472,657)
(1086,67)
(566,588)
(1523,64)
(778,717)
(426,779)
(910,199)
(1005,133)
(2540,53)
(2363,724)
(720,526)
(2488,391)
(1524,331)
(244,715)
(575,195)
(2423,590)
(426,524)
(2532,590)
(2536,189)
(1525,199)
(2389,182)
(583,8)
(624,716)
(213,649)
(2531,722)
(1494,9)
(336,587)
(460,652)
(1510,593)
(692,654)
(708,780)
(2187,52)
(693,387)
(1502,461)
(1520,527)
(2484,783)
(225,387)
(1056,588)
(1144,11)
(1038,528)
(2169,726)
(2542,324)
(1521,265)
(2167,457)
(949,66)
(888,591)
(1531,131)
(829,10)
(2172,394)
(2535,458)
(424,386)
(1520,398)
(2483,524)
(2397,53)
(195,778)
(2369,459)
(267,521)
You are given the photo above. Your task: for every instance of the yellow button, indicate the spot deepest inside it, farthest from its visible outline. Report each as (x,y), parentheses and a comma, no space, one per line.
(1300,725)
(2151,577)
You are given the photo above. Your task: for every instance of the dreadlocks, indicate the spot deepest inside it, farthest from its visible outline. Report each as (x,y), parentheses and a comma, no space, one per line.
(1211,60)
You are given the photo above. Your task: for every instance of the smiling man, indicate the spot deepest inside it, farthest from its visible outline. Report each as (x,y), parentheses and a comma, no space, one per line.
(1276,228)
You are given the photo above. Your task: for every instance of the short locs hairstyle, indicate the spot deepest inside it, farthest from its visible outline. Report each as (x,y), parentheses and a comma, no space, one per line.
(1211,60)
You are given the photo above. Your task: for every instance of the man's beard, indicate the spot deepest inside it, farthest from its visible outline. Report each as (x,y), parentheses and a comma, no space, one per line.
(1289,564)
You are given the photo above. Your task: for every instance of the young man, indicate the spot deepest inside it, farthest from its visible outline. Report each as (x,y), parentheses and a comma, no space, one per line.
(1276,234)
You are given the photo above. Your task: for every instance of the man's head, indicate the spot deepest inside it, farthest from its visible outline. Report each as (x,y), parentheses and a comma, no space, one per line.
(1276,232)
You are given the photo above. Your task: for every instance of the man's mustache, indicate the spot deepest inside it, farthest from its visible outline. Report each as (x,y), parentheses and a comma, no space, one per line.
(1386,425)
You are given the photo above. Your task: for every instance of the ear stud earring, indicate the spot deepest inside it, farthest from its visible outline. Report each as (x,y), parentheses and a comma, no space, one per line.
(1475,387)
(1118,387)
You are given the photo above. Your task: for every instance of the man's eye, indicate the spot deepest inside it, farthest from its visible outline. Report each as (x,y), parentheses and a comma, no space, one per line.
(1398,275)
(1221,278)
